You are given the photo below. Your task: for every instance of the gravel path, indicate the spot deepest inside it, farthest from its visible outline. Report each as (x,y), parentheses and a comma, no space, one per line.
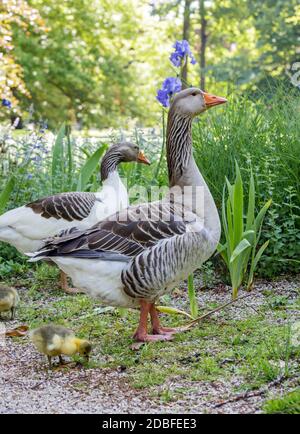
(26,386)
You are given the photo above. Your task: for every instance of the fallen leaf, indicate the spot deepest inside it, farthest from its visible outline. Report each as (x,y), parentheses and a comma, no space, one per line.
(173,311)
(18,331)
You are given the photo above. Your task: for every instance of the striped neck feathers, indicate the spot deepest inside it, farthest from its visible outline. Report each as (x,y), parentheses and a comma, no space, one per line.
(179,146)
(183,172)
(110,162)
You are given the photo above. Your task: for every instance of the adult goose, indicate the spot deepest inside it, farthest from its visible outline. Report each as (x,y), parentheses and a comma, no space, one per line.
(26,227)
(132,258)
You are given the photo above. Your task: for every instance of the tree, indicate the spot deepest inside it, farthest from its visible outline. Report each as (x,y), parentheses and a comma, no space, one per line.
(203,37)
(186,33)
(277,24)
(15,14)
(98,64)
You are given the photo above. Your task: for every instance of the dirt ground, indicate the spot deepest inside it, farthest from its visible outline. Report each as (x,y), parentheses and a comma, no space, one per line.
(27,386)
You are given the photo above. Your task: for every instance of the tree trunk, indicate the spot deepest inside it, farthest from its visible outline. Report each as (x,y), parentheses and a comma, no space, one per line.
(186,35)
(203,38)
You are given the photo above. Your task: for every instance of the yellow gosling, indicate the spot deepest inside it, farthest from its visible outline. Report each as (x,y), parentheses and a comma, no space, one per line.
(9,299)
(55,340)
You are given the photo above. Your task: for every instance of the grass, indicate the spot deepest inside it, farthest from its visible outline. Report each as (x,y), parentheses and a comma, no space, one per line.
(254,349)
(287,404)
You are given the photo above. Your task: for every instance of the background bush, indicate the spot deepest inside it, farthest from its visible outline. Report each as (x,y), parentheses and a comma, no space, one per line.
(261,134)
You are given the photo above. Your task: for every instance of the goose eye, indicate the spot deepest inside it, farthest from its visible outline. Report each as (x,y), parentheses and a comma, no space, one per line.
(194,94)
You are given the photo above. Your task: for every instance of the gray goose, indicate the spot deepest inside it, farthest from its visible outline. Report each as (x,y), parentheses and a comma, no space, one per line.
(133,257)
(27,226)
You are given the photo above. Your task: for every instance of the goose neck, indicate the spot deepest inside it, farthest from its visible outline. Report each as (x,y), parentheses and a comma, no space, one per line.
(109,164)
(185,179)
(179,146)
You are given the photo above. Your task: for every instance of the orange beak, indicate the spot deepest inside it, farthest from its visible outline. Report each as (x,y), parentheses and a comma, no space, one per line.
(142,158)
(212,100)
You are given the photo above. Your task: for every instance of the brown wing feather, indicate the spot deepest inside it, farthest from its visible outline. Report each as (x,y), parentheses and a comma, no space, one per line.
(123,233)
(147,223)
(67,206)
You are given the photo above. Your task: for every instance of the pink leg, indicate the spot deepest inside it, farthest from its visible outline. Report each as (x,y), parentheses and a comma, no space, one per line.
(157,329)
(64,285)
(141,334)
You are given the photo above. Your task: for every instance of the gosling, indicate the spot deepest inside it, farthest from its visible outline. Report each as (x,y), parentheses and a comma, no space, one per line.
(55,340)
(9,299)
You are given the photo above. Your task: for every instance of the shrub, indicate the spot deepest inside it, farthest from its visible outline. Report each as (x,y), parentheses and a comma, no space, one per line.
(241,232)
(261,135)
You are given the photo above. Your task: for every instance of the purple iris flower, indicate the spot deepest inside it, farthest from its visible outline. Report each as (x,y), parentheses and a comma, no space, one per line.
(176,59)
(163,97)
(170,86)
(6,103)
(182,51)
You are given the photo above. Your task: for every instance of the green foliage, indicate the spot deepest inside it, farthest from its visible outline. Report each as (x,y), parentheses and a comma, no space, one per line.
(287,404)
(98,63)
(6,192)
(261,136)
(277,38)
(58,161)
(92,65)
(15,15)
(10,185)
(11,261)
(89,168)
(62,172)
(192,297)
(241,235)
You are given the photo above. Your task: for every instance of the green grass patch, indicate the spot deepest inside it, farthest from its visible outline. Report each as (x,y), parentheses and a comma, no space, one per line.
(255,349)
(287,404)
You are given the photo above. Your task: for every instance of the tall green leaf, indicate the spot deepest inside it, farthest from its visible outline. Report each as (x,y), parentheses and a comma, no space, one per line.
(5,194)
(69,157)
(255,262)
(241,237)
(240,248)
(89,168)
(260,216)
(230,224)
(251,203)
(192,296)
(238,206)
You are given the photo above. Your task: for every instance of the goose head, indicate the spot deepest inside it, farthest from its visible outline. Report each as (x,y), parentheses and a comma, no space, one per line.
(84,348)
(129,152)
(193,101)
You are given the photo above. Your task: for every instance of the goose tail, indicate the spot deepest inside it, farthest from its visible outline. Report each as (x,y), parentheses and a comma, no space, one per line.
(37,256)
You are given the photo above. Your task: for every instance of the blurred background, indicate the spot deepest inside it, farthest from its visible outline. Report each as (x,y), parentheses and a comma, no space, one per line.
(98,63)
